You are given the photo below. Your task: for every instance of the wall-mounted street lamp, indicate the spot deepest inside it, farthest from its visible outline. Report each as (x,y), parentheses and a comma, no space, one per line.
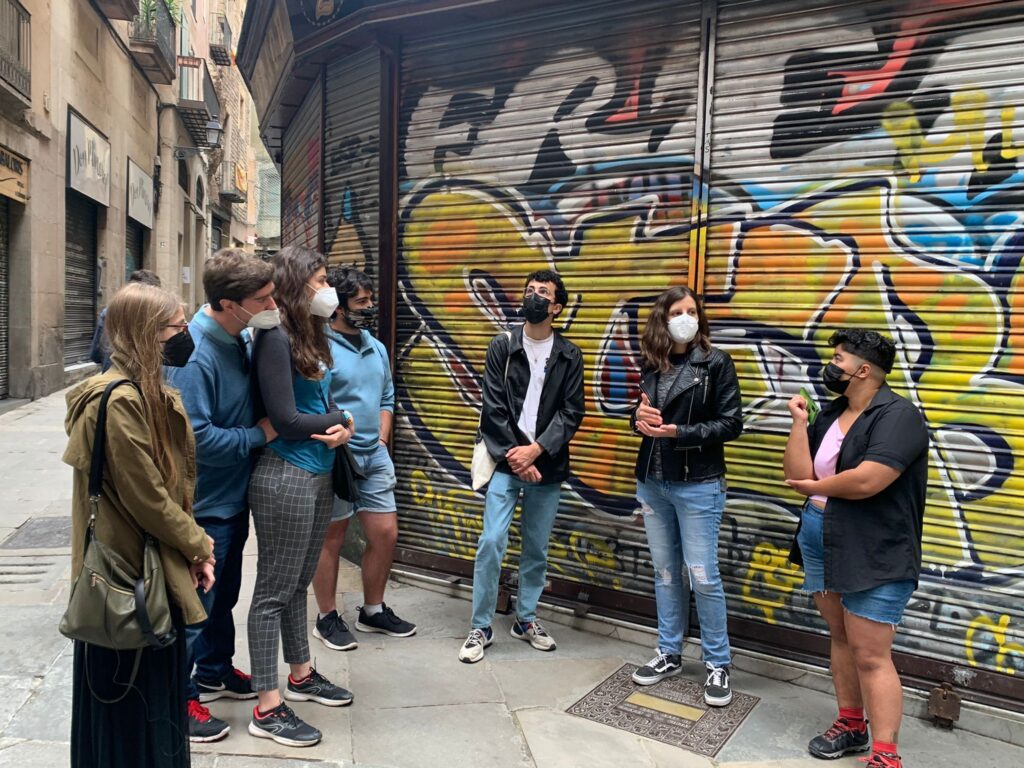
(214,133)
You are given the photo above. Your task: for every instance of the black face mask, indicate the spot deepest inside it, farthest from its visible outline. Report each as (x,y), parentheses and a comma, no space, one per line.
(535,308)
(832,376)
(363,319)
(178,349)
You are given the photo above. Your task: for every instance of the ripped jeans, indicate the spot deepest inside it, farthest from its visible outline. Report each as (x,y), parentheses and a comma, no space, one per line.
(682,521)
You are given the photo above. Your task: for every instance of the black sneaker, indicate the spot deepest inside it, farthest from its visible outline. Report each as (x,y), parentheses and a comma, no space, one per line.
(237,685)
(317,688)
(334,633)
(717,692)
(840,739)
(283,726)
(385,622)
(657,669)
(202,726)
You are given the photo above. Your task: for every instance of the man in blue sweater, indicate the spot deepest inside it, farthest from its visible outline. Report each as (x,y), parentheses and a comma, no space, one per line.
(361,383)
(216,391)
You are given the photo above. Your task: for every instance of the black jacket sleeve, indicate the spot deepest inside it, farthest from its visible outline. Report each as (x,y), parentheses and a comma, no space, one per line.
(274,373)
(496,425)
(727,422)
(568,418)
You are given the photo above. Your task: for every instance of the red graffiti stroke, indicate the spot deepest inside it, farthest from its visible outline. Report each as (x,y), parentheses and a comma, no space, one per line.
(863,85)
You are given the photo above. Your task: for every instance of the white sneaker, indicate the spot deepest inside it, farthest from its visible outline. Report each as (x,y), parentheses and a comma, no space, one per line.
(473,649)
(535,633)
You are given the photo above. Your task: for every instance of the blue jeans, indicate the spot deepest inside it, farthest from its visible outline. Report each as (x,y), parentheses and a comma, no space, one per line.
(682,521)
(540,504)
(211,645)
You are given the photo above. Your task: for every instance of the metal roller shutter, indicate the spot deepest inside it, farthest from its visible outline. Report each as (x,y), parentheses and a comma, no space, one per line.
(5,300)
(134,237)
(865,174)
(565,140)
(300,174)
(79,277)
(351,161)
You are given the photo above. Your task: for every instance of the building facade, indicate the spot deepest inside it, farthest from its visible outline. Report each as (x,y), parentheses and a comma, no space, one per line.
(109,125)
(803,165)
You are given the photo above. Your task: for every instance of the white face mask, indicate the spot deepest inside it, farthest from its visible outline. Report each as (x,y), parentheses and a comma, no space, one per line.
(324,303)
(682,328)
(265,320)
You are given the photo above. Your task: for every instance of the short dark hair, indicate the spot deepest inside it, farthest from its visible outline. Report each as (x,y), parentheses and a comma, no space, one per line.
(549,276)
(145,276)
(348,281)
(234,274)
(868,345)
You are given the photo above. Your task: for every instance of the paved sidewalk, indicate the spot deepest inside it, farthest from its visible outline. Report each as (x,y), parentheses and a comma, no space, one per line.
(416,705)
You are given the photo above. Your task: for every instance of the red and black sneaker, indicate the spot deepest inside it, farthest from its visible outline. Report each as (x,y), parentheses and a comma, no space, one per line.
(202,726)
(237,685)
(883,760)
(839,740)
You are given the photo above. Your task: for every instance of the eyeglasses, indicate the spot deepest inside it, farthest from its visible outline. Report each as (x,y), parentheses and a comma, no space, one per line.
(179,326)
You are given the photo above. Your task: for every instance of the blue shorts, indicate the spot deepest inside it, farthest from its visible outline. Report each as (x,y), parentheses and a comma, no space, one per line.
(884,603)
(376,492)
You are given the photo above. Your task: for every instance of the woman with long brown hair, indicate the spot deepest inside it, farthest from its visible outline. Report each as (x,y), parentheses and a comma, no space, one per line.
(117,718)
(290,493)
(689,408)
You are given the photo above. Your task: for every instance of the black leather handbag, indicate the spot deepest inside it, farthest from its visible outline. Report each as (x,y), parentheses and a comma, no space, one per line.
(111,605)
(345,475)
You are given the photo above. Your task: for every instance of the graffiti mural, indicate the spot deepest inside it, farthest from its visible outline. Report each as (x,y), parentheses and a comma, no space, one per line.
(879,185)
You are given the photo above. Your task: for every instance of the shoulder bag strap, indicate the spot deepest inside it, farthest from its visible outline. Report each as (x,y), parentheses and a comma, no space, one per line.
(99,445)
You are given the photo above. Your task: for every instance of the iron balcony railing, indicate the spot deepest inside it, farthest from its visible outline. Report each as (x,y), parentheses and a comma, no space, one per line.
(197,100)
(16,47)
(154,25)
(220,39)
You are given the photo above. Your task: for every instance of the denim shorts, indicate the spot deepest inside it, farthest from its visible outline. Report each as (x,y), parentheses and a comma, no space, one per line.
(884,603)
(376,491)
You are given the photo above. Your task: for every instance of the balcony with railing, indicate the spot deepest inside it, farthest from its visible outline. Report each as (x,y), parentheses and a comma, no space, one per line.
(234,185)
(125,10)
(197,99)
(15,55)
(152,40)
(220,39)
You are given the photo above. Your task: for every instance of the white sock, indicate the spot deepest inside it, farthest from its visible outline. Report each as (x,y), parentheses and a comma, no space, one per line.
(373,610)
(321,615)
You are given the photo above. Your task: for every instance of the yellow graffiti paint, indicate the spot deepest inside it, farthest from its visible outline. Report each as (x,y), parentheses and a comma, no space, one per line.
(1001,647)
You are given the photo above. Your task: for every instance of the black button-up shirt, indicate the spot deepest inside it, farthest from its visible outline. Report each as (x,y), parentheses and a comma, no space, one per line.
(872,541)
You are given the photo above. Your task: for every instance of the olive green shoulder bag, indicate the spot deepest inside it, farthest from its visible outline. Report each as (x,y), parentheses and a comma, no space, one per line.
(111,606)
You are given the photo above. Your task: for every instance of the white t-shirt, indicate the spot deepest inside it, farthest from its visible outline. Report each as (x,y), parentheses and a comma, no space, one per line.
(537,352)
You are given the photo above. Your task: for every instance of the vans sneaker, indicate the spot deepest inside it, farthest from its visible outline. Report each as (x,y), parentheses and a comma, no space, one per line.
(717,692)
(657,669)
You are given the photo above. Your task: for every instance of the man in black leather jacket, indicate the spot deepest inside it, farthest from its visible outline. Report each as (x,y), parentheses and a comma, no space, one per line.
(532,406)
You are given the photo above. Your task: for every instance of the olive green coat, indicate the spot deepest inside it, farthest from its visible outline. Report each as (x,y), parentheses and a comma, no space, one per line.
(135,495)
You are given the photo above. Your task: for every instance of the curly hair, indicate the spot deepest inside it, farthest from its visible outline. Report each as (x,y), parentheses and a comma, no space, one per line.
(550,276)
(294,265)
(656,345)
(868,345)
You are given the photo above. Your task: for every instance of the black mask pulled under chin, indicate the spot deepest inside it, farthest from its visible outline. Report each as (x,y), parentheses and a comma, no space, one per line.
(178,349)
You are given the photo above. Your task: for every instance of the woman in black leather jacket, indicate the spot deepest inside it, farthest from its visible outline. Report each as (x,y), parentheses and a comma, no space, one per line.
(689,408)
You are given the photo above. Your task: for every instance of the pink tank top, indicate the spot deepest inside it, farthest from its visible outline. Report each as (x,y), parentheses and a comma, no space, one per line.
(826,457)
